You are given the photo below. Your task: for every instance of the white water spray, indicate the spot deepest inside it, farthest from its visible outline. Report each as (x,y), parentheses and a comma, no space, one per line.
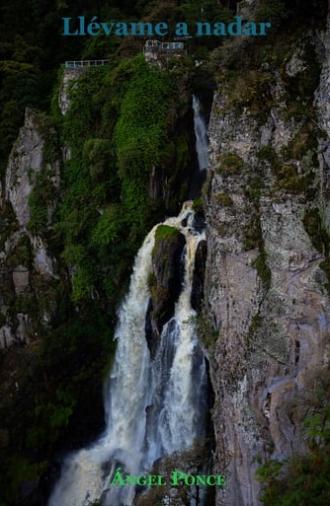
(171,388)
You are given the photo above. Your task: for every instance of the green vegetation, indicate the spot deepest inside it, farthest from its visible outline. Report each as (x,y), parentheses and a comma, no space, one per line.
(267,153)
(21,255)
(294,168)
(223,199)
(40,201)
(254,188)
(166,232)
(229,164)
(20,85)
(198,206)
(206,330)
(252,90)
(304,479)
(300,88)
(289,179)
(252,233)
(8,223)
(152,282)
(255,326)
(247,70)
(263,270)
(304,142)
(59,381)
(273,10)
(253,237)
(118,130)
(320,238)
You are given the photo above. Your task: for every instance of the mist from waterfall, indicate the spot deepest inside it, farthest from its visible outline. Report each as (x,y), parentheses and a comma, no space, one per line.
(153,407)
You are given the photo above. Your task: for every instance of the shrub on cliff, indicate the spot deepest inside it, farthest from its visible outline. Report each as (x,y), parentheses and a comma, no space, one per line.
(304,479)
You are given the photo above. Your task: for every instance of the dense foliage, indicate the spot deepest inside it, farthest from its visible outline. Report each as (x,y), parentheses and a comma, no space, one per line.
(118,130)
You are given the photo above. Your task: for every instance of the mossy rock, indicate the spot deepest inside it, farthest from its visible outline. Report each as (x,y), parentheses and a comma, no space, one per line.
(262,268)
(255,325)
(206,331)
(198,206)
(26,303)
(197,292)
(314,227)
(301,87)
(41,201)
(229,164)
(304,141)
(165,280)
(288,179)
(152,281)
(320,239)
(8,223)
(252,236)
(166,232)
(21,255)
(267,153)
(250,88)
(223,199)
(253,189)
(51,150)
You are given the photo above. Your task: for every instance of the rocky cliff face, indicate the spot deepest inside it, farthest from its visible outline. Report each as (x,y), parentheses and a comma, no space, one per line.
(25,261)
(323,115)
(266,278)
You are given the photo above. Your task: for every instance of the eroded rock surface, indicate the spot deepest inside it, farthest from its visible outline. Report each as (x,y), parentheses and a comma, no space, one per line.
(265,290)
(24,255)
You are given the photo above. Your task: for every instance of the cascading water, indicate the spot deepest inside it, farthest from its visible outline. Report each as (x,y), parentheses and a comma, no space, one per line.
(153,407)
(200,128)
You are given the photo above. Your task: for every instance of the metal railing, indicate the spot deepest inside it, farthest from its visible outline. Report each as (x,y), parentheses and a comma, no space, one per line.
(79,64)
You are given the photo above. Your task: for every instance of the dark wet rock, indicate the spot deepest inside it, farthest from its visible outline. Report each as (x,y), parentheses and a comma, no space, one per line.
(198,279)
(165,281)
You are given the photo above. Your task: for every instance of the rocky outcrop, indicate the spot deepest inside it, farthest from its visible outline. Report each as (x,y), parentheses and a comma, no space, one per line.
(25,260)
(25,158)
(69,76)
(197,294)
(165,281)
(265,289)
(323,109)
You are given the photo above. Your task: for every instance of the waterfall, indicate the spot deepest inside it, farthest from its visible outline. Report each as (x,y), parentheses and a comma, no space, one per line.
(154,407)
(200,128)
